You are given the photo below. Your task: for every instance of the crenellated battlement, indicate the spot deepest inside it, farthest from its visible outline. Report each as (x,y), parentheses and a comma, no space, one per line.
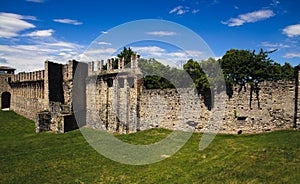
(29,76)
(113,65)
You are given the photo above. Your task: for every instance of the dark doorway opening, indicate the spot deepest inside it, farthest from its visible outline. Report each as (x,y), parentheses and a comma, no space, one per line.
(5,100)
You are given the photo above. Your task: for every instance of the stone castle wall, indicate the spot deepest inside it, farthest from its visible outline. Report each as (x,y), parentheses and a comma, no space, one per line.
(117,108)
(276,110)
(114,100)
(46,93)
(167,109)
(28,97)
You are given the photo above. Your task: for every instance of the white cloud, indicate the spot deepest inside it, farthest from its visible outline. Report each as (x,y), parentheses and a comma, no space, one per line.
(11,24)
(195,11)
(28,17)
(101,51)
(274,45)
(292,30)
(275,3)
(249,18)
(179,10)
(178,54)
(168,57)
(32,56)
(104,43)
(68,21)
(148,49)
(94,54)
(41,33)
(292,55)
(161,33)
(36,1)
(175,9)
(29,53)
(104,32)
(62,44)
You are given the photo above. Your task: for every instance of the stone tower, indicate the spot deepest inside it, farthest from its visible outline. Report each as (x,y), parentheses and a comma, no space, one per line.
(6,73)
(113,96)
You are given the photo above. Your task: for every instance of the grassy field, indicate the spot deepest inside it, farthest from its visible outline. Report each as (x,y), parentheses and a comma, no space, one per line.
(27,157)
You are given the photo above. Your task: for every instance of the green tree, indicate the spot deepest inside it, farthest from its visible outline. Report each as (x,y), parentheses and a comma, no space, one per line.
(195,71)
(214,74)
(126,54)
(245,66)
(154,73)
(159,76)
(235,65)
(287,72)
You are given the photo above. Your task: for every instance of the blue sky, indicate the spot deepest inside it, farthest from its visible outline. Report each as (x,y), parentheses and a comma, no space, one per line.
(32,31)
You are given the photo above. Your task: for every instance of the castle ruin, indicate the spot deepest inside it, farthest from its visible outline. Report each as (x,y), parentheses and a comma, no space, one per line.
(63,97)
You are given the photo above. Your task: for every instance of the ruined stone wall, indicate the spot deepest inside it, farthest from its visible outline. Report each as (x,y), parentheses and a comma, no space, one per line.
(47,93)
(117,102)
(68,71)
(276,109)
(172,109)
(112,97)
(162,108)
(60,96)
(114,100)
(112,103)
(28,97)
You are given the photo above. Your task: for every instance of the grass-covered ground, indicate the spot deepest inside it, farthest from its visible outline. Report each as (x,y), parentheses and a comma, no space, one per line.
(27,157)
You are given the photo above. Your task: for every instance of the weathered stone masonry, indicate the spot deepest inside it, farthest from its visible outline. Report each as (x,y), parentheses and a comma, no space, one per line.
(115,100)
(6,73)
(44,96)
(112,97)
(120,108)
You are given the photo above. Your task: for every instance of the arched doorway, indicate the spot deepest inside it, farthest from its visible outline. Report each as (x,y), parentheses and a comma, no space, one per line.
(5,100)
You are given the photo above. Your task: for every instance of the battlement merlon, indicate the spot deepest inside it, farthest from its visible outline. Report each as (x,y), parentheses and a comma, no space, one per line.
(39,75)
(29,76)
(113,65)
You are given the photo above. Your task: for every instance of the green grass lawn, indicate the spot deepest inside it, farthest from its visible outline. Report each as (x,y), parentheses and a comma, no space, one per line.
(27,157)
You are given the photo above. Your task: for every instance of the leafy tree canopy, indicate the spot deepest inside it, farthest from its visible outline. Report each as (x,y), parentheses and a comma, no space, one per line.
(245,66)
(126,53)
(159,76)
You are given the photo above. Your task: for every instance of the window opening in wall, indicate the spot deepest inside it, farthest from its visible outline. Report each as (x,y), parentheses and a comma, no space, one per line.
(110,83)
(130,82)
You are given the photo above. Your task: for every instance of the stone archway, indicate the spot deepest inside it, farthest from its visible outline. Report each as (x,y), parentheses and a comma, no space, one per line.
(5,100)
